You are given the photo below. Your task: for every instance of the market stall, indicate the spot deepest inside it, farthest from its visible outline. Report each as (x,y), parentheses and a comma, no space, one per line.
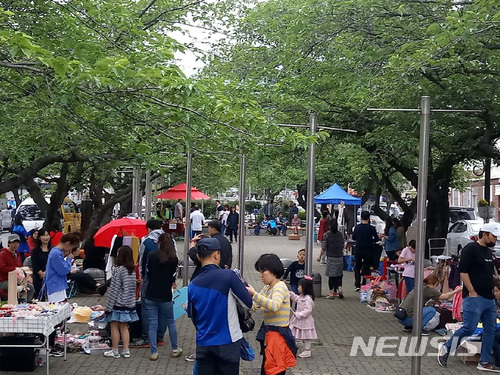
(40,318)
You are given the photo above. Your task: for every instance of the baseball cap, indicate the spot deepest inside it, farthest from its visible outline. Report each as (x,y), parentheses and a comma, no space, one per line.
(492,228)
(13,238)
(208,244)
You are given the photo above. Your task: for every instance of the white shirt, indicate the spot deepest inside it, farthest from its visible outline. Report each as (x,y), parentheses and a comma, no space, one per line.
(224,216)
(178,209)
(197,220)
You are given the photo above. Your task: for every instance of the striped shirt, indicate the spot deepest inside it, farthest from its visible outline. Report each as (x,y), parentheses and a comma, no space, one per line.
(121,293)
(275,302)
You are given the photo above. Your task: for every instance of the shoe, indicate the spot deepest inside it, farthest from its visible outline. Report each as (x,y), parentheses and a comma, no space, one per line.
(111,354)
(305,354)
(55,353)
(58,347)
(408,329)
(140,344)
(487,366)
(443,355)
(190,358)
(126,354)
(154,357)
(160,343)
(176,353)
(357,289)
(425,332)
(330,297)
(341,295)
(101,289)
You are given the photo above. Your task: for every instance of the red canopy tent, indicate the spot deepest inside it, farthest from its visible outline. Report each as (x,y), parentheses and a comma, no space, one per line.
(179,192)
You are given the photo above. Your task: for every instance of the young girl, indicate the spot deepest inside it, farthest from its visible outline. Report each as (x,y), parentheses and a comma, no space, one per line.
(302,322)
(120,308)
(275,337)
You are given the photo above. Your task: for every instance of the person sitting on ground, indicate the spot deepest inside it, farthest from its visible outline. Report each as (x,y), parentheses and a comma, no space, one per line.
(296,223)
(10,260)
(431,285)
(94,255)
(272,227)
(256,228)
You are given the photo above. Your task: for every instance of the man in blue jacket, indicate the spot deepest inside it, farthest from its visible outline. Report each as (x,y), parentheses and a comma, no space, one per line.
(212,307)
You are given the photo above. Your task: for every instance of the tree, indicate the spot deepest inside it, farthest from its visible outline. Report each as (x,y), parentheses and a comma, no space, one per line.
(376,54)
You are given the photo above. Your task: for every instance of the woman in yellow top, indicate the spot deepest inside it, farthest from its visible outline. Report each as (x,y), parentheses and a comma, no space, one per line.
(276,339)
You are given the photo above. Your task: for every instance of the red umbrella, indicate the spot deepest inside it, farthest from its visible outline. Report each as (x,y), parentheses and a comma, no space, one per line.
(179,192)
(123,227)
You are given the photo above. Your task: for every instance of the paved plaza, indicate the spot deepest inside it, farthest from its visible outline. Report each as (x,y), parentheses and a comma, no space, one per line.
(337,323)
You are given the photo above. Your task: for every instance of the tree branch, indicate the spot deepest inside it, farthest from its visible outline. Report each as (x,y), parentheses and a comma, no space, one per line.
(21,66)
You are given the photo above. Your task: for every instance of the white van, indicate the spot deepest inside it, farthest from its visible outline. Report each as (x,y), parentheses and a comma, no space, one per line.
(32,215)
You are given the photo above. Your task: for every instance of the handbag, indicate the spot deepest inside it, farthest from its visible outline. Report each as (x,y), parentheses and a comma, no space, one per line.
(400,313)
(246,351)
(244,316)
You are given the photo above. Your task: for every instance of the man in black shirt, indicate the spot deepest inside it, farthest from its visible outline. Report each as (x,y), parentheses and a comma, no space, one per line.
(226,250)
(477,273)
(366,237)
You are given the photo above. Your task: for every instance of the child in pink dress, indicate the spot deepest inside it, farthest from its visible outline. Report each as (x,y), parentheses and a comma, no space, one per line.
(302,322)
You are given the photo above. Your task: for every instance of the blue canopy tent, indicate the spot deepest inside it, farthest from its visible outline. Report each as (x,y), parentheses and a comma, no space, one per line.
(334,195)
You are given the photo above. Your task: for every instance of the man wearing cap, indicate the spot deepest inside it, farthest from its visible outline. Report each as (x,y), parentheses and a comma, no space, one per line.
(477,273)
(212,307)
(9,261)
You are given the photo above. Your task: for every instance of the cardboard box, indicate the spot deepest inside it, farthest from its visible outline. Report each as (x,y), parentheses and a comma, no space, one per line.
(294,237)
(469,352)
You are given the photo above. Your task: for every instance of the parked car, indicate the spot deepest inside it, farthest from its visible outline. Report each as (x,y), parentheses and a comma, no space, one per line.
(6,219)
(463,232)
(462,213)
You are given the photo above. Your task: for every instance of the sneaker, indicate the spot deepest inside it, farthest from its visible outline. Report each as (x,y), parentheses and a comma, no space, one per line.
(58,347)
(140,343)
(126,354)
(55,353)
(443,355)
(341,295)
(487,366)
(111,354)
(176,353)
(160,343)
(408,329)
(357,289)
(154,357)
(191,358)
(425,332)
(305,354)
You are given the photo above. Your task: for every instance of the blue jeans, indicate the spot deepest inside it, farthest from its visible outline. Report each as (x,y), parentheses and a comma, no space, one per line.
(477,309)
(410,283)
(427,314)
(282,229)
(160,315)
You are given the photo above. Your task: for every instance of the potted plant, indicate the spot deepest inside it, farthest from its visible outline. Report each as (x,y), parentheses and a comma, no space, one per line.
(485,209)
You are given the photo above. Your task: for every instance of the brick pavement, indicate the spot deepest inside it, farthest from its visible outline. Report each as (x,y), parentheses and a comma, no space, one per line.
(337,322)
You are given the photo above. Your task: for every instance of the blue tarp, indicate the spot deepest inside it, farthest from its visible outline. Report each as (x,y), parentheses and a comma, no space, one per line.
(334,195)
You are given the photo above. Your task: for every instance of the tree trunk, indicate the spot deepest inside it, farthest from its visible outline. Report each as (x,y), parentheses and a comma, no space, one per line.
(437,213)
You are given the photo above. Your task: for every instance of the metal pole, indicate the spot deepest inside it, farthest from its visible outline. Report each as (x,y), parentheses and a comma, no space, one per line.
(487,184)
(148,193)
(187,227)
(310,198)
(241,225)
(425,113)
(135,189)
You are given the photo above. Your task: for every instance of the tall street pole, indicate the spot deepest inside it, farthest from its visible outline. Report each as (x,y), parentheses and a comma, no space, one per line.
(148,192)
(423,163)
(310,198)
(187,227)
(241,224)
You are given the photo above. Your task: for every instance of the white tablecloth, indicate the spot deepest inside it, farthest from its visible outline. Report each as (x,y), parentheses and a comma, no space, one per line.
(35,324)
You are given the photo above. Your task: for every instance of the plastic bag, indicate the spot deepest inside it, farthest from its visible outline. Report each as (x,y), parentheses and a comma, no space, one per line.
(433,323)
(363,297)
(246,351)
